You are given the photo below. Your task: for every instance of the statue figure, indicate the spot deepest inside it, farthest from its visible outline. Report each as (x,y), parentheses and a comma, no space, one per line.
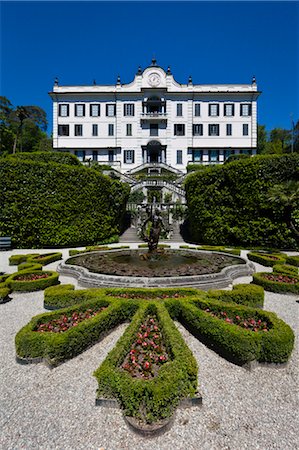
(156,225)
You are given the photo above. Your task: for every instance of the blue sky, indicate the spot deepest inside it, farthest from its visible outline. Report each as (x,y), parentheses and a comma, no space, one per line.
(215,42)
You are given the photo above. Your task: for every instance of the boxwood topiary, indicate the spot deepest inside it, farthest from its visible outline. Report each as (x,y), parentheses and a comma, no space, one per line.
(242,294)
(32,285)
(228,204)
(29,266)
(58,347)
(4,293)
(15,260)
(231,341)
(69,205)
(293,260)
(156,398)
(277,286)
(214,248)
(48,157)
(45,258)
(286,269)
(64,296)
(268,260)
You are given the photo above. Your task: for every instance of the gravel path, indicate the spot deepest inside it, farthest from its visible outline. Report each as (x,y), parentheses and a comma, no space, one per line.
(44,408)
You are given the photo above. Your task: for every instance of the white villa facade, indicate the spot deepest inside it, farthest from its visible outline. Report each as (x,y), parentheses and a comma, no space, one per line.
(154,120)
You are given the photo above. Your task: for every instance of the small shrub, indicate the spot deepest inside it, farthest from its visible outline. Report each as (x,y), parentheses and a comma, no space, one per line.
(4,293)
(242,294)
(15,260)
(286,269)
(277,284)
(58,347)
(293,260)
(268,260)
(45,258)
(156,398)
(32,285)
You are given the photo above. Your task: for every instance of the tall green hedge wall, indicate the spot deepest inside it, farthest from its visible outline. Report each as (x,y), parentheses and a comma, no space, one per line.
(228,204)
(58,157)
(50,204)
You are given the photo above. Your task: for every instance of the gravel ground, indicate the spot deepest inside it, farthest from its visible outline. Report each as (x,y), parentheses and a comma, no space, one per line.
(44,408)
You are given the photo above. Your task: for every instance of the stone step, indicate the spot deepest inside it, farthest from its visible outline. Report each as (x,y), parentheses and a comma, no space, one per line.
(130,235)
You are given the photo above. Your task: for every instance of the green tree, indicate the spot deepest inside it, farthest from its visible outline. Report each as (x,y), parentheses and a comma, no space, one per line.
(296,137)
(136,197)
(6,133)
(262,138)
(287,196)
(283,137)
(22,128)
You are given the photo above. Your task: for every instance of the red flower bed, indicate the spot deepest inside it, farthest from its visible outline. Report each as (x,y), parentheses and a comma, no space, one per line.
(31,276)
(279,278)
(273,258)
(147,296)
(64,322)
(249,323)
(148,352)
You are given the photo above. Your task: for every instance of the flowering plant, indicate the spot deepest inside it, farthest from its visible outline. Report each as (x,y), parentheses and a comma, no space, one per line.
(64,322)
(148,352)
(31,276)
(280,278)
(146,296)
(249,323)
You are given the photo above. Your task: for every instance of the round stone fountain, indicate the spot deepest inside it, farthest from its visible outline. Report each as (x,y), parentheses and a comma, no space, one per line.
(161,268)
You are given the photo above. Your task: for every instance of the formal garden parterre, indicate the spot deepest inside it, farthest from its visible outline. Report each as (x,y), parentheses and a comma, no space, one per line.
(146,387)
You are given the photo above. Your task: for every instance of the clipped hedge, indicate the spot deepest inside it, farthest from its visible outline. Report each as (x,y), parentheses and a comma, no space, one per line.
(4,293)
(293,260)
(268,260)
(29,266)
(50,205)
(276,286)
(156,398)
(286,269)
(46,157)
(63,296)
(236,344)
(153,293)
(34,285)
(228,204)
(58,347)
(45,258)
(242,294)
(16,260)
(96,248)
(213,248)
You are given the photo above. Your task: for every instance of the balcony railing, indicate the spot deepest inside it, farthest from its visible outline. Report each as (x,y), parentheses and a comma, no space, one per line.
(154,115)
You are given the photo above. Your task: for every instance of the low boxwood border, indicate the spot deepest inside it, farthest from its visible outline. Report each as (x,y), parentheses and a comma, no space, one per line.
(211,248)
(4,294)
(64,296)
(29,266)
(273,286)
(58,347)
(35,285)
(154,399)
(293,260)
(232,342)
(242,294)
(15,260)
(45,258)
(286,269)
(265,259)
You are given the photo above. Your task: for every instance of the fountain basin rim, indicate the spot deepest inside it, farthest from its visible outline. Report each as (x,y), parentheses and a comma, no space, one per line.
(208,281)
